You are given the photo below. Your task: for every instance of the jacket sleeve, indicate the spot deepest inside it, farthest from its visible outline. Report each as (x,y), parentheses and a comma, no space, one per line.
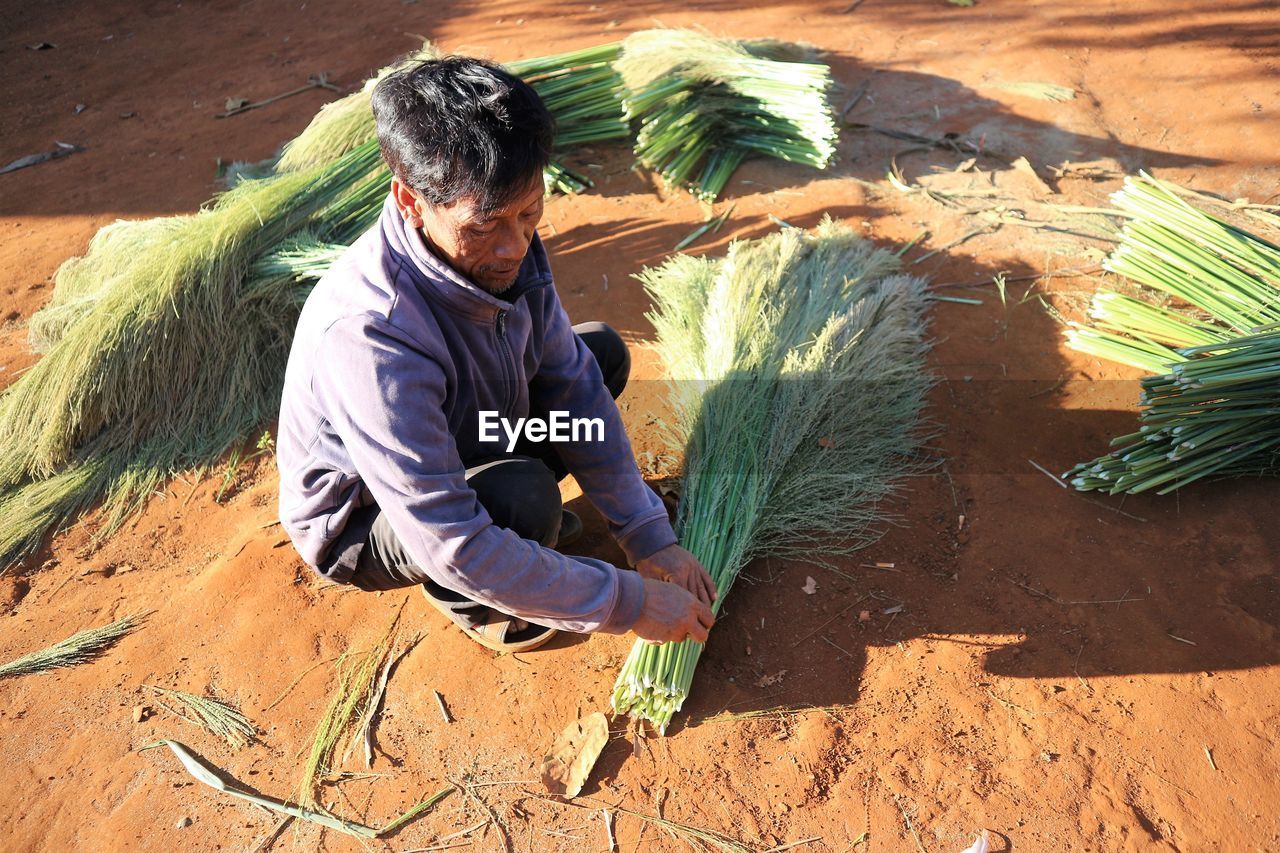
(384,396)
(569,380)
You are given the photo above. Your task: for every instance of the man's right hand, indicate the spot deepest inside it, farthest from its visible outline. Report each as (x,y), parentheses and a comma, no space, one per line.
(671,614)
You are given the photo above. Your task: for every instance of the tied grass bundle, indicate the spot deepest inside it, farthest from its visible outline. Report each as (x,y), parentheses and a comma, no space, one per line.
(1215,414)
(80,647)
(1205,281)
(1204,324)
(580,88)
(797,369)
(704,104)
(213,716)
(181,304)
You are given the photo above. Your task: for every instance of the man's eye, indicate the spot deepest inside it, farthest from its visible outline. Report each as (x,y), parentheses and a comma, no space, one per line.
(481,232)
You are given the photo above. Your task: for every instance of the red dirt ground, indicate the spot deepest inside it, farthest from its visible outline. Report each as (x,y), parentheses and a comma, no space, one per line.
(1031,684)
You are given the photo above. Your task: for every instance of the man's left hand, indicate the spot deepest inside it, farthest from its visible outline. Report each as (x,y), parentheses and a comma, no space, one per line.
(678,566)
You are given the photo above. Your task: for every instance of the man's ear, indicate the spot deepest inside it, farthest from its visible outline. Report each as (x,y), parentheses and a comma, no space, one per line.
(408,203)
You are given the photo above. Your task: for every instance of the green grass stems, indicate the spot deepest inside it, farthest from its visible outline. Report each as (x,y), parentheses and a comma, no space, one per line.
(80,647)
(1203,322)
(1215,414)
(704,104)
(1204,280)
(797,369)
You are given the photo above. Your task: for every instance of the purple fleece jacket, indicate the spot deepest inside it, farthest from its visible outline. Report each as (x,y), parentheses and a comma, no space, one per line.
(394,356)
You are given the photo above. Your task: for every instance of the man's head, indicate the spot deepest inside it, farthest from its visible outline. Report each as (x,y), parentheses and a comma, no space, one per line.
(466,143)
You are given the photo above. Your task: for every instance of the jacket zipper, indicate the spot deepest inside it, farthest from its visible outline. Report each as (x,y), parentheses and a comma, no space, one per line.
(508,369)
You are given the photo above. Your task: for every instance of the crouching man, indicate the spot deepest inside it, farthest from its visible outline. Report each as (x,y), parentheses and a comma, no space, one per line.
(429,367)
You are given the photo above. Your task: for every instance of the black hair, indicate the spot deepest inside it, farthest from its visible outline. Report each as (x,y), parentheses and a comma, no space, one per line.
(459,126)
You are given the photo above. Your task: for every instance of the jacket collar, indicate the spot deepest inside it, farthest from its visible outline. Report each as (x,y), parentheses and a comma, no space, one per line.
(443,284)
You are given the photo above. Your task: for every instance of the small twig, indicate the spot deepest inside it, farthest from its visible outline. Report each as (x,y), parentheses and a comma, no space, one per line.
(1072,271)
(1062,380)
(794,844)
(444,712)
(1075,667)
(316,81)
(1208,753)
(839,649)
(1116,510)
(461,832)
(1106,601)
(273,834)
(843,611)
(502,829)
(862,90)
(64,149)
(955,499)
(986,229)
(898,802)
(1182,639)
(1034,591)
(1047,473)
(847,9)
(607,816)
(289,689)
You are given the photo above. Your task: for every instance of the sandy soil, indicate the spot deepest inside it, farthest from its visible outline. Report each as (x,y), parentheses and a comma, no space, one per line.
(1032,683)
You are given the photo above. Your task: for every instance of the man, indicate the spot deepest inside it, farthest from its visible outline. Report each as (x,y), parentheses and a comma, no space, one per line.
(439,323)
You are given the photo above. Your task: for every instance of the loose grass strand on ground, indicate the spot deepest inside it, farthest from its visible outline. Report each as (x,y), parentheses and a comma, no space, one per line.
(80,647)
(211,715)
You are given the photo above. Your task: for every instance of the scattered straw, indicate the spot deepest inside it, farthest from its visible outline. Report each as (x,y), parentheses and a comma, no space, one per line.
(218,780)
(357,674)
(210,714)
(76,649)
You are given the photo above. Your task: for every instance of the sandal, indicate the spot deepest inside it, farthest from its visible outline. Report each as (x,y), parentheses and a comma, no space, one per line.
(488,627)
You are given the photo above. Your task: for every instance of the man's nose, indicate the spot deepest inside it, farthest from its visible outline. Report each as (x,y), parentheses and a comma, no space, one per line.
(513,243)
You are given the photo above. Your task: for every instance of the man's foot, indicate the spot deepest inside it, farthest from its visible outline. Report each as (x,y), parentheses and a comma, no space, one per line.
(570,529)
(488,627)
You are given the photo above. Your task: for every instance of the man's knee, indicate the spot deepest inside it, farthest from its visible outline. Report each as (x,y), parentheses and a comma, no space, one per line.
(521,495)
(610,351)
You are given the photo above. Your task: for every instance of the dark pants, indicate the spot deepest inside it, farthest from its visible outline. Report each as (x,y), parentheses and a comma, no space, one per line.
(518,491)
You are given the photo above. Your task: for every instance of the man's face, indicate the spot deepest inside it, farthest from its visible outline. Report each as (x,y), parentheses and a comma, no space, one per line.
(487,248)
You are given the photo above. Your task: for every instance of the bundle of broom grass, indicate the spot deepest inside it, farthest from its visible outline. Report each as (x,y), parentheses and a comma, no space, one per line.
(797,371)
(1216,414)
(1204,324)
(1204,281)
(164,347)
(704,104)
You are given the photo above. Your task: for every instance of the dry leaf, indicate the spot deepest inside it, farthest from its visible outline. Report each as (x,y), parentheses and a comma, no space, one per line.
(566,767)
(1023,165)
(810,585)
(826,442)
(770,680)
